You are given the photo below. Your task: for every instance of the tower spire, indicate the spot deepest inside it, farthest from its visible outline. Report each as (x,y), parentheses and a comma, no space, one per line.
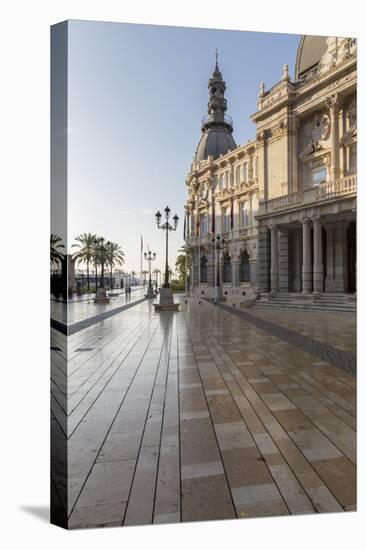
(217,127)
(216,107)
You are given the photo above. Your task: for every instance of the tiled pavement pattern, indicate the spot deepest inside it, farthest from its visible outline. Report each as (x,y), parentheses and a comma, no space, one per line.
(80,308)
(70,329)
(338,329)
(325,352)
(200,415)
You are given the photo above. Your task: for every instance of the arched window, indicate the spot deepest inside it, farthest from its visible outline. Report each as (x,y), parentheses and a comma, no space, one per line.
(244,267)
(227,268)
(244,214)
(203,269)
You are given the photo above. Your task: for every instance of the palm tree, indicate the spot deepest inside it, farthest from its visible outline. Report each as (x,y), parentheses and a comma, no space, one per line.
(86,252)
(183,263)
(114,256)
(56,255)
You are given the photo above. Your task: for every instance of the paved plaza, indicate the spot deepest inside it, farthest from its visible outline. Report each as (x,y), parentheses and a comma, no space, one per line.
(203,414)
(78,310)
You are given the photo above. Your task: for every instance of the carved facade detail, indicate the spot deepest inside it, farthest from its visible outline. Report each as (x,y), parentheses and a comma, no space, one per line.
(316,135)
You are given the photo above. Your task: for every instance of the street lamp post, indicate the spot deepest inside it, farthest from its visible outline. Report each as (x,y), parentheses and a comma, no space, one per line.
(150,257)
(167,227)
(219,244)
(166,295)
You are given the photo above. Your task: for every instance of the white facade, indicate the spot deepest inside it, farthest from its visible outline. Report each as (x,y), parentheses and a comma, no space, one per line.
(284,203)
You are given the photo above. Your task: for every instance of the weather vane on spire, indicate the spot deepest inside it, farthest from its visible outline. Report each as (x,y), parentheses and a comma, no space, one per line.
(217,59)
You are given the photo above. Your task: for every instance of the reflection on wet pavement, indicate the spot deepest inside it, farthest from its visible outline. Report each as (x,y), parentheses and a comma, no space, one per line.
(199,415)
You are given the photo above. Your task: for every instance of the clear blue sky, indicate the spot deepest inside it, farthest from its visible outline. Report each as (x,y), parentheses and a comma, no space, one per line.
(137,94)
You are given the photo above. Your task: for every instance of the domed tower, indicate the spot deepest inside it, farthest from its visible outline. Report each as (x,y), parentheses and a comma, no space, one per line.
(217,127)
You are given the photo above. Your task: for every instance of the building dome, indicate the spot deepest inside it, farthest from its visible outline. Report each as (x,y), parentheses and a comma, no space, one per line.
(215,142)
(217,127)
(311,50)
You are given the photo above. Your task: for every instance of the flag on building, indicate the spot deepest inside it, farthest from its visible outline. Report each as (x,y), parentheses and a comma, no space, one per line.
(197,225)
(184,228)
(232,213)
(142,244)
(213,220)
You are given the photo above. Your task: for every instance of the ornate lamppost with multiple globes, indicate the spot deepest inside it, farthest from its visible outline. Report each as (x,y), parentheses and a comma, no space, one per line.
(150,257)
(166,295)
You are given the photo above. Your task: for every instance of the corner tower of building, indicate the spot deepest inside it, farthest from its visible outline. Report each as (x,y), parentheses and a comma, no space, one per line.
(217,127)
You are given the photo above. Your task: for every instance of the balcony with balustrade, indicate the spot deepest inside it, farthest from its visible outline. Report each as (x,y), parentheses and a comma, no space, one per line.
(328,191)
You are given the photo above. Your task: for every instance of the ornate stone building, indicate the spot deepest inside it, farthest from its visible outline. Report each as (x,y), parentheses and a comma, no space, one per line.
(284,204)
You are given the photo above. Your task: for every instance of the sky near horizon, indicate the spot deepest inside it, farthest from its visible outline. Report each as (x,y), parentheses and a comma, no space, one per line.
(137,94)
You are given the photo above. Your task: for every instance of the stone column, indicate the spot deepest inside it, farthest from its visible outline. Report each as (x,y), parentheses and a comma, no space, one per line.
(263,259)
(262,166)
(318,257)
(283,260)
(333,104)
(274,259)
(341,258)
(343,149)
(306,257)
(330,267)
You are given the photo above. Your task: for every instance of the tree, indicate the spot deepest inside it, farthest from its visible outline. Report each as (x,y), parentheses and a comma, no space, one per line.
(114,256)
(56,256)
(86,252)
(183,264)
